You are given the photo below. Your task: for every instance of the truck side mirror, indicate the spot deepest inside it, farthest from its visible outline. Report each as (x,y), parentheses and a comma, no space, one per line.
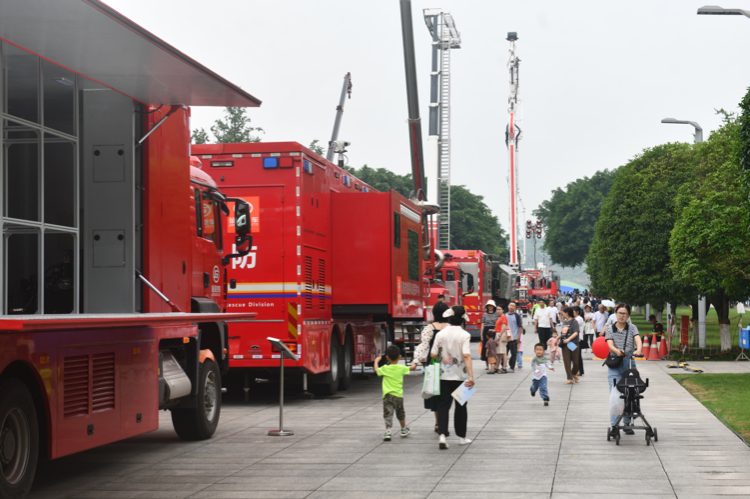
(243,240)
(242,218)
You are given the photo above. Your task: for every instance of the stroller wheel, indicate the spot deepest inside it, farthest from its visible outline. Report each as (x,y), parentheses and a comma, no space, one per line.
(648,439)
(656,436)
(609,434)
(617,438)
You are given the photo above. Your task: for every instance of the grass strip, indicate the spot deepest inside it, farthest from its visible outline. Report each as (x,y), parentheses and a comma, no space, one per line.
(727,395)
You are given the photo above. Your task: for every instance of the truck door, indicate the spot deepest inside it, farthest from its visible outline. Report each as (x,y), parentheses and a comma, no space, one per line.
(206,275)
(258,281)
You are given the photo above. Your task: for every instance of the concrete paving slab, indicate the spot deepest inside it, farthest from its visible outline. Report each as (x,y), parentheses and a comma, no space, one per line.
(521,449)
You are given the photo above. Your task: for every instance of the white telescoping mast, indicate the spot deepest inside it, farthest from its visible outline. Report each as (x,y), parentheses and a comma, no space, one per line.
(512,136)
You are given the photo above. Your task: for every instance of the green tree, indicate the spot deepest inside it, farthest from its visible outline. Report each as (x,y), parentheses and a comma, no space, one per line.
(234,128)
(383,180)
(629,255)
(317,148)
(570,217)
(709,244)
(742,148)
(200,136)
(473,226)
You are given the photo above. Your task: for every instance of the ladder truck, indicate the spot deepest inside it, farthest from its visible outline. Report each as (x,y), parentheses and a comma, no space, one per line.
(113,277)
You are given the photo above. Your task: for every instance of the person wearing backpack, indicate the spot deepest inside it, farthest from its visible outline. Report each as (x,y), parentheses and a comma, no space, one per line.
(422,352)
(623,340)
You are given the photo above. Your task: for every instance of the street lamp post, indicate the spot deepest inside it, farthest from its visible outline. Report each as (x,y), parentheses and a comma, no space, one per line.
(715,10)
(702,299)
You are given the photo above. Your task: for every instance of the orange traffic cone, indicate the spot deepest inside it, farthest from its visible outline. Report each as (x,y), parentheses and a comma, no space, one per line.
(654,351)
(663,349)
(646,347)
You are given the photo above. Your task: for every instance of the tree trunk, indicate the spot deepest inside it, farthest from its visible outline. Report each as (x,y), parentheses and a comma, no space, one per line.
(694,320)
(720,301)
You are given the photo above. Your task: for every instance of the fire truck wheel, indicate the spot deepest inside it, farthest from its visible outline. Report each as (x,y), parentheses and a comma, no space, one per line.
(345,369)
(200,422)
(327,383)
(19,439)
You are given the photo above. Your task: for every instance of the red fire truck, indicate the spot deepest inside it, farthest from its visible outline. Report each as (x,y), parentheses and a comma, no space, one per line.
(476,281)
(533,284)
(113,273)
(336,264)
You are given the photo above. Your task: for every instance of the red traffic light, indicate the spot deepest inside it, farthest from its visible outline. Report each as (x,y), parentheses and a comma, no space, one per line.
(528,224)
(538,235)
(528,233)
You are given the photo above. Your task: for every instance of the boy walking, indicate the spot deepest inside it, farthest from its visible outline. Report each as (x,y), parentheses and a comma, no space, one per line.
(539,366)
(393,390)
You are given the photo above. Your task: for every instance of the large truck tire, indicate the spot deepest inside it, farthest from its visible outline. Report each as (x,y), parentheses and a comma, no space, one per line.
(327,383)
(19,439)
(200,422)
(345,367)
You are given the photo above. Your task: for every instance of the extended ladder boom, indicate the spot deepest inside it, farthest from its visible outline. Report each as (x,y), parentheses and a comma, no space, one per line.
(346,90)
(512,136)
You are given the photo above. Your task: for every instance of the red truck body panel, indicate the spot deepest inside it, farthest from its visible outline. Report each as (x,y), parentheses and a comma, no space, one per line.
(325,260)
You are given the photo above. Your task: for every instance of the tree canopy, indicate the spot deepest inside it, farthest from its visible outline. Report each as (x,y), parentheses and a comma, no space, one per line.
(234,128)
(570,216)
(629,256)
(473,226)
(383,180)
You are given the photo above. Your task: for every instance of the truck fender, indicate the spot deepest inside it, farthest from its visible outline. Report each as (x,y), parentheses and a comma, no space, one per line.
(206,354)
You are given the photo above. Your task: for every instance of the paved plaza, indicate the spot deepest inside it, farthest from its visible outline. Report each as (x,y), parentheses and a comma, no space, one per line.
(521,449)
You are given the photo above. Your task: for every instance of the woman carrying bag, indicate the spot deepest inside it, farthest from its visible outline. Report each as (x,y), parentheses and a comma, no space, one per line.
(452,349)
(570,334)
(578,315)
(502,336)
(422,352)
(622,339)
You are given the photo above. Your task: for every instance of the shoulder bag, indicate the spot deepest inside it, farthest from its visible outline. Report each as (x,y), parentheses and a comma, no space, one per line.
(614,361)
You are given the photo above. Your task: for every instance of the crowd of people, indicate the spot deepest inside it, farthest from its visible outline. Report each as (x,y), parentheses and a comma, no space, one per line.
(565,327)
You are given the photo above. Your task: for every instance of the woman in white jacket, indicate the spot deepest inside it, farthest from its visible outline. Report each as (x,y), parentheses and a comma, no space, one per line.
(422,352)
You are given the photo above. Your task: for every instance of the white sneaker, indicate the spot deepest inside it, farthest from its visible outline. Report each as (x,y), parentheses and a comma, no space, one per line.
(463,441)
(442,443)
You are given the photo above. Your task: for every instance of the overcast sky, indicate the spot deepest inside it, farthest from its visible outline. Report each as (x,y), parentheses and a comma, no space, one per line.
(596,77)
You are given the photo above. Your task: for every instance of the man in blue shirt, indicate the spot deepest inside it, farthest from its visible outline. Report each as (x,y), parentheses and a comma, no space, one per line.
(515,325)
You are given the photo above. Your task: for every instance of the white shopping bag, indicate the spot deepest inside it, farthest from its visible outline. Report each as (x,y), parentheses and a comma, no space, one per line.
(431,383)
(616,404)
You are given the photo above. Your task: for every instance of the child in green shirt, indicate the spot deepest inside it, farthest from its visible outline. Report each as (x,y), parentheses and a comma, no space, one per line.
(393,390)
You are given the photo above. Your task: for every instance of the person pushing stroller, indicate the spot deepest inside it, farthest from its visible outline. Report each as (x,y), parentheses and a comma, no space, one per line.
(623,340)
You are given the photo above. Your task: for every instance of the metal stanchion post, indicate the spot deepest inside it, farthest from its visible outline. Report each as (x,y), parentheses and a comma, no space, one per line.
(285,352)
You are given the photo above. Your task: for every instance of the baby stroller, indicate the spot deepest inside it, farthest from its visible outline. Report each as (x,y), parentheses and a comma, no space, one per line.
(631,386)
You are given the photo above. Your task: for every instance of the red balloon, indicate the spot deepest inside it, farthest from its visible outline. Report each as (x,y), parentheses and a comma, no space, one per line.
(600,348)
